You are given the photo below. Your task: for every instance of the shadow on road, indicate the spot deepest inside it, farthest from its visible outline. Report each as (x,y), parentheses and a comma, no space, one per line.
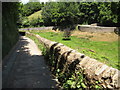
(25,67)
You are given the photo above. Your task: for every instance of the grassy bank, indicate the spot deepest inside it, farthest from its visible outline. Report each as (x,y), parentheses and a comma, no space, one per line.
(35,15)
(40,46)
(106,52)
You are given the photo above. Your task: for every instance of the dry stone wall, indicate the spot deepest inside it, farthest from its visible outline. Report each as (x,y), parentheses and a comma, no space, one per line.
(92,28)
(38,28)
(94,70)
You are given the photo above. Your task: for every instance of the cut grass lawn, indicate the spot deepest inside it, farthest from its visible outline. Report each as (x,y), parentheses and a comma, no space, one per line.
(106,52)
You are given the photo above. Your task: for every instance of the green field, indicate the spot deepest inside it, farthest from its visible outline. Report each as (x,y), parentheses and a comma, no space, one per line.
(106,52)
(35,15)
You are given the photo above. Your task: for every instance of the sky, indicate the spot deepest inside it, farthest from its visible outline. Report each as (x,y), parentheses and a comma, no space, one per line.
(26,1)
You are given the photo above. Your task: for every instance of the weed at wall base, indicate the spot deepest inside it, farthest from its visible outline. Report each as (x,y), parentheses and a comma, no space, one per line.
(67,76)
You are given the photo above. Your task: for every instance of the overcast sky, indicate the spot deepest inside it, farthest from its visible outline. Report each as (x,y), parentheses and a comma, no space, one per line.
(26,1)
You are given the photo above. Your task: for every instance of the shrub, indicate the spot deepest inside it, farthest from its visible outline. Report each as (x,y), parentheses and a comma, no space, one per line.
(67,34)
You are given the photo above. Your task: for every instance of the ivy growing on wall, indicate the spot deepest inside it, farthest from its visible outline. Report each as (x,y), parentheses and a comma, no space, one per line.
(10,16)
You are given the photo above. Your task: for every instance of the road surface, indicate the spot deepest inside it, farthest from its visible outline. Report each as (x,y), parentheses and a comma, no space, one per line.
(26,68)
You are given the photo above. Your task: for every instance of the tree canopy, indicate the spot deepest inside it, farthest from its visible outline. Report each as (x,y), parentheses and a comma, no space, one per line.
(60,13)
(31,7)
(71,13)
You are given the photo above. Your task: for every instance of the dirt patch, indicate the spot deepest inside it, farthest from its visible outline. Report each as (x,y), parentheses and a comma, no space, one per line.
(45,31)
(109,37)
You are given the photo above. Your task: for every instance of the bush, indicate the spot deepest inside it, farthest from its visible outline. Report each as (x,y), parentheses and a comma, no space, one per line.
(67,34)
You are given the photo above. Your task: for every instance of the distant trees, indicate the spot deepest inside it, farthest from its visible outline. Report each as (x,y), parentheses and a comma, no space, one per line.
(98,12)
(89,12)
(31,7)
(60,13)
(26,10)
(105,13)
(115,10)
(106,16)
(70,13)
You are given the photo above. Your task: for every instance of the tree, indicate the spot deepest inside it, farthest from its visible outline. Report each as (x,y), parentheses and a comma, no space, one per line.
(106,16)
(31,7)
(88,12)
(115,8)
(105,13)
(60,13)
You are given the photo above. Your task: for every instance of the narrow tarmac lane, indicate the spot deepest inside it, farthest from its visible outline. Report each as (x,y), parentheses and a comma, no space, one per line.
(26,68)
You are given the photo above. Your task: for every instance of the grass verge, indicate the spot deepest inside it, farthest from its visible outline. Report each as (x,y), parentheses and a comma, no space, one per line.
(40,45)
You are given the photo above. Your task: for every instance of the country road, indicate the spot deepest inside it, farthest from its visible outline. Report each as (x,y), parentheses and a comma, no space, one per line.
(26,68)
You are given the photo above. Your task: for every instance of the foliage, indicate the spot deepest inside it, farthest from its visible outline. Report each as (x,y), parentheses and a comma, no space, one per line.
(10,16)
(98,12)
(33,20)
(88,12)
(66,14)
(67,34)
(115,7)
(69,13)
(106,17)
(31,7)
(25,23)
(27,18)
(60,13)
